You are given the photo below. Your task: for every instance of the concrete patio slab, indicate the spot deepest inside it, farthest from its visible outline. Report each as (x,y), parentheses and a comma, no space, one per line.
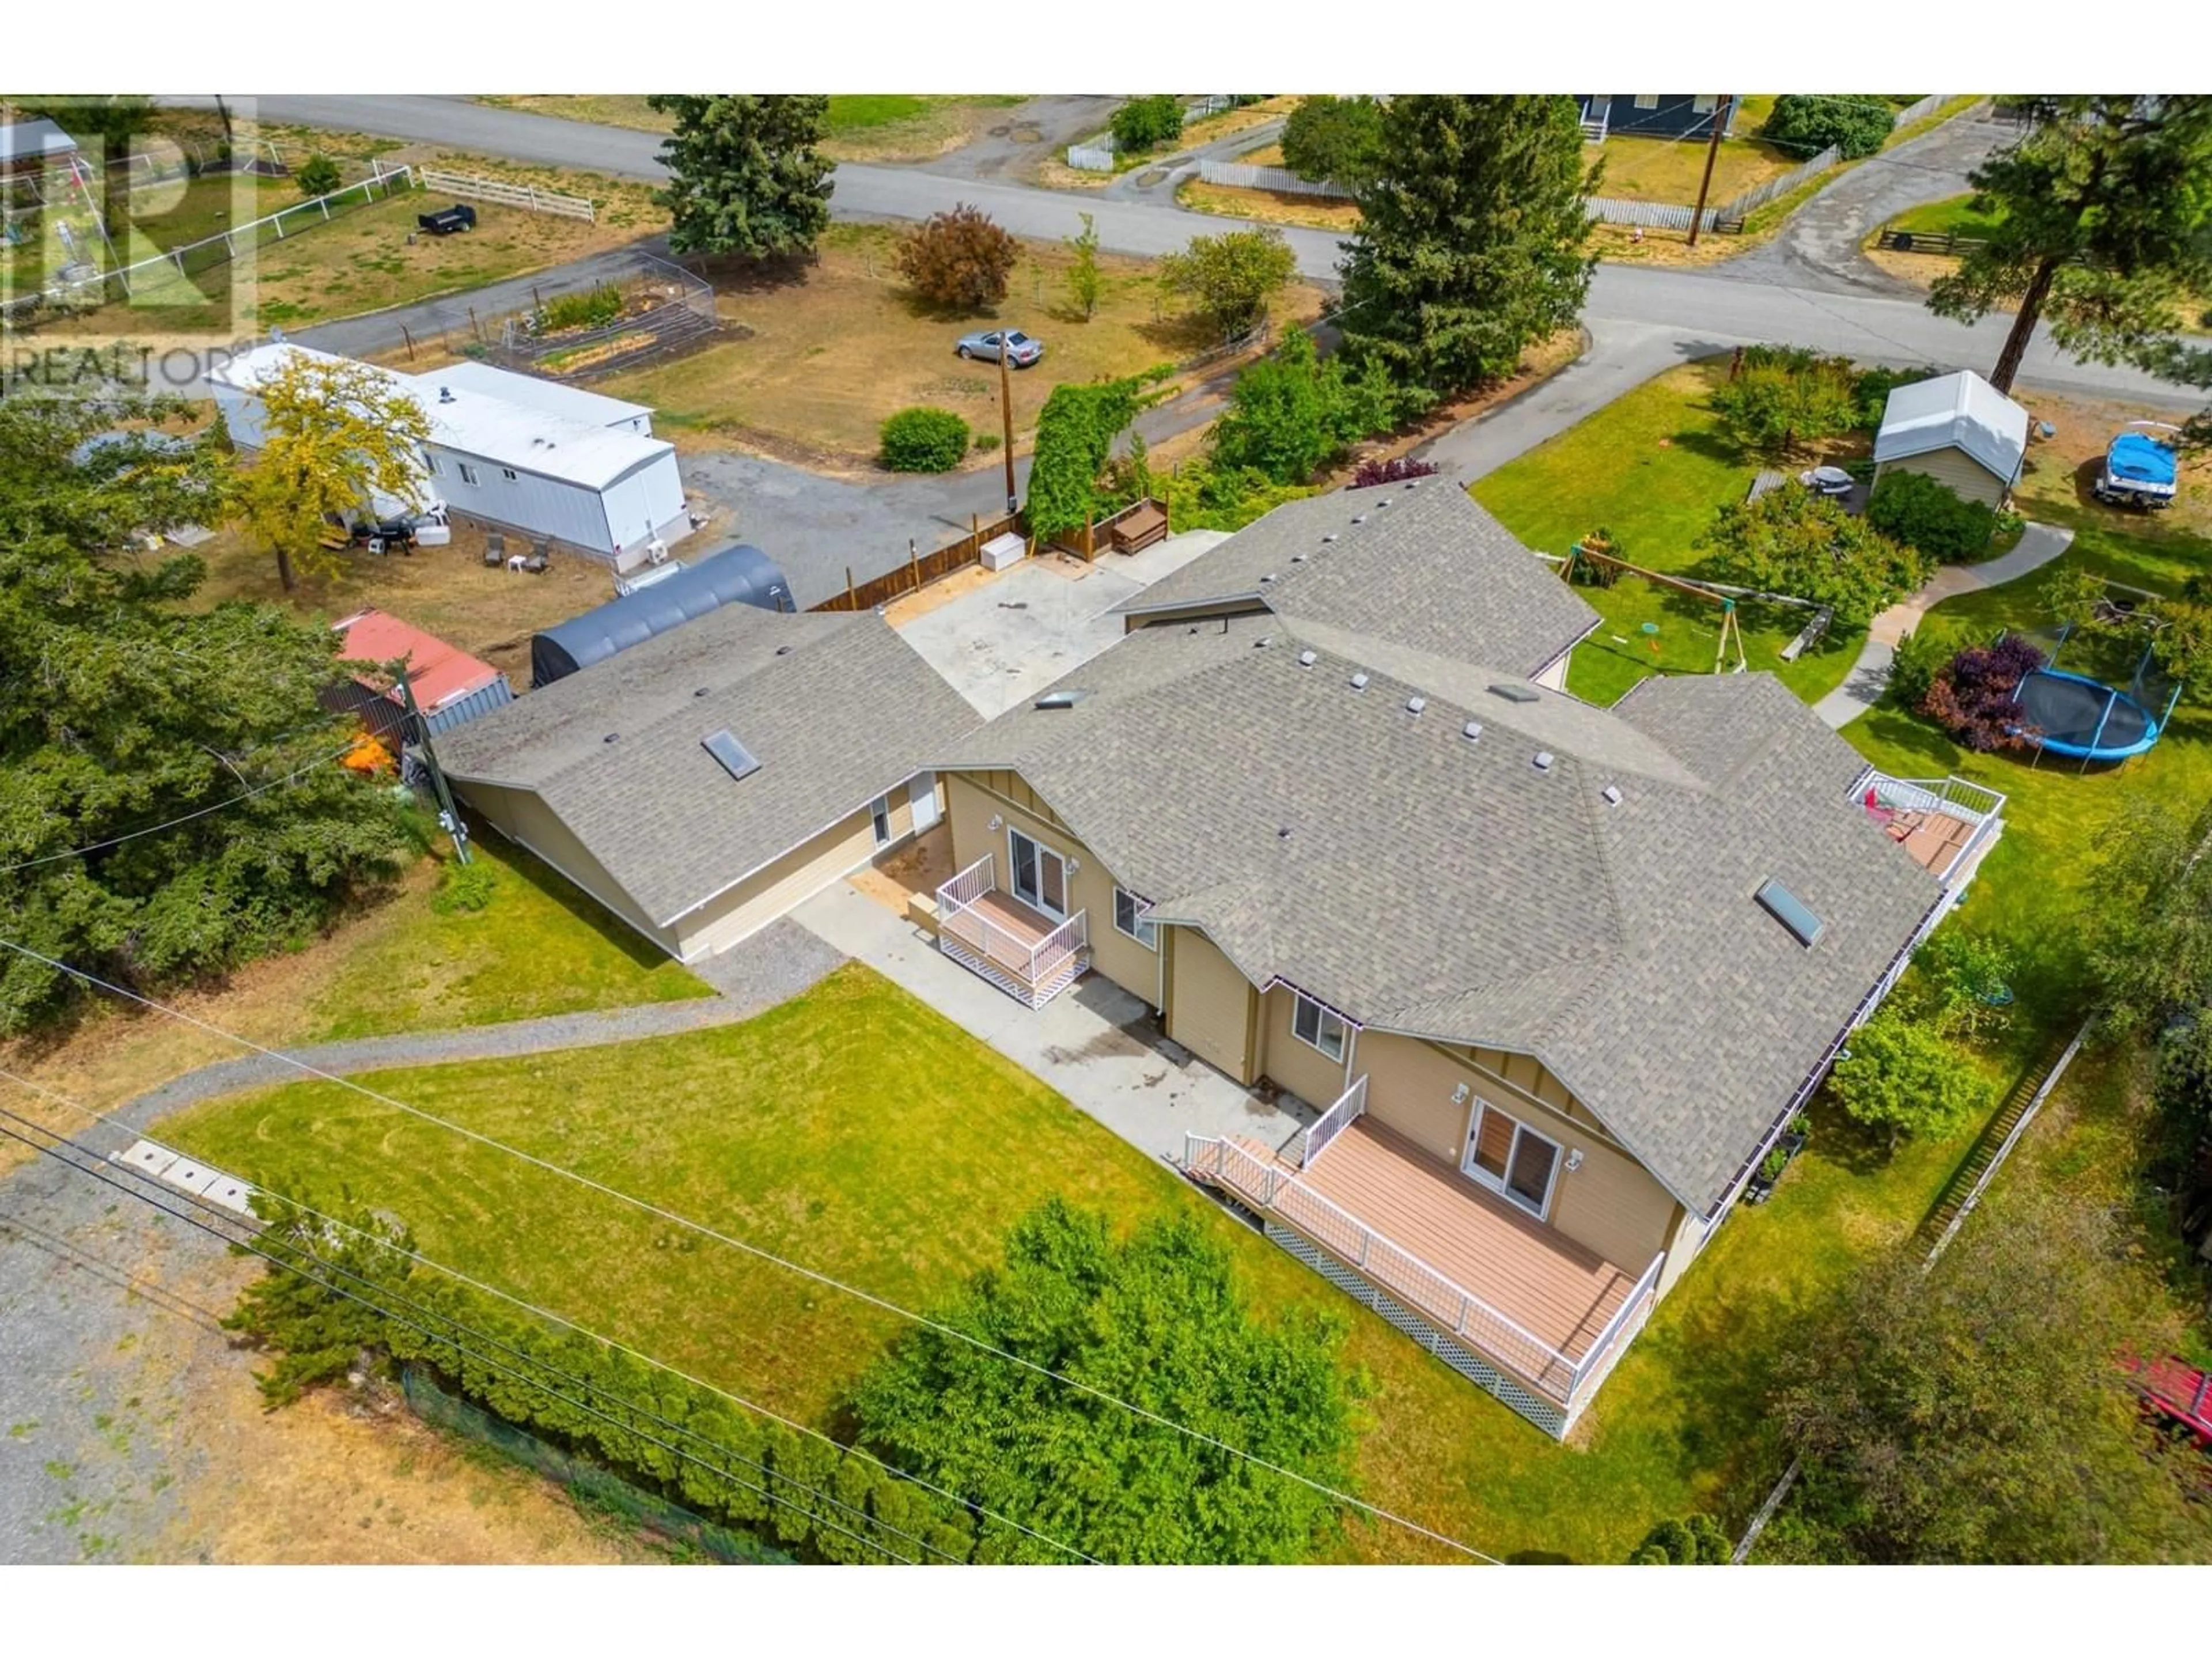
(1095,1044)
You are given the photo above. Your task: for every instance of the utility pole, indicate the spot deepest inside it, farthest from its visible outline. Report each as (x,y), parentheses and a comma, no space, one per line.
(448,819)
(1006,422)
(1722,109)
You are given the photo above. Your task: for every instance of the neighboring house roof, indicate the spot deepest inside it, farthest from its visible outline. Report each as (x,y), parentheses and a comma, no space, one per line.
(569,403)
(485,424)
(1954,411)
(1424,881)
(20,141)
(740,574)
(1424,568)
(836,709)
(438,673)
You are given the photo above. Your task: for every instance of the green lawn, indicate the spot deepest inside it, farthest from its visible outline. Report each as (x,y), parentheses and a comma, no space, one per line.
(856,1131)
(1653,467)
(539,947)
(1952,217)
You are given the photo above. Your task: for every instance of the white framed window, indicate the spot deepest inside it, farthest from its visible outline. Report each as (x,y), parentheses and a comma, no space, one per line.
(879,816)
(1647,100)
(1511,1159)
(468,473)
(507,473)
(1129,918)
(437,467)
(1705,103)
(1316,1026)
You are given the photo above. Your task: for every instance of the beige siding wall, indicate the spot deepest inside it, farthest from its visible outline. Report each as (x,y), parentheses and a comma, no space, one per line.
(1298,1067)
(1212,1009)
(1690,1235)
(1610,1204)
(798,875)
(972,800)
(523,818)
(1972,480)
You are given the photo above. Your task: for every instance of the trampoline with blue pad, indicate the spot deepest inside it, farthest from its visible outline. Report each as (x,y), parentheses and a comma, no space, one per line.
(2081,718)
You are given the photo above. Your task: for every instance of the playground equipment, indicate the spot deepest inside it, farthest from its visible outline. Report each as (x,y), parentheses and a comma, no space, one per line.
(2081,718)
(1731,630)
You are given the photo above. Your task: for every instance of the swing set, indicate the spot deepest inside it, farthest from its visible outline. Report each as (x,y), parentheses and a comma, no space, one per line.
(1731,630)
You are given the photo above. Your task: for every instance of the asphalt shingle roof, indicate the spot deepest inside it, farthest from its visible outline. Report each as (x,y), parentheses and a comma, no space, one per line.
(1423,881)
(1421,566)
(837,709)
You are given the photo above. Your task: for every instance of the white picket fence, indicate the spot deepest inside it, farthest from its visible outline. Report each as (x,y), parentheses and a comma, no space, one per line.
(507,195)
(1242,175)
(1093,155)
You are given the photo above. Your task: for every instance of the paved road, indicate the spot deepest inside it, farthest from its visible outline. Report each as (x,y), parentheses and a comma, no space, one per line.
(1819,246)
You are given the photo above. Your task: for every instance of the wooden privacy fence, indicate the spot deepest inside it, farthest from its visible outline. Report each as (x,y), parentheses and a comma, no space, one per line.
(1084,543)
(920,569)
(509,195)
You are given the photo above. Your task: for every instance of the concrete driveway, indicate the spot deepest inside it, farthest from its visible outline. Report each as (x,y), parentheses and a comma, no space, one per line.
(1006,637)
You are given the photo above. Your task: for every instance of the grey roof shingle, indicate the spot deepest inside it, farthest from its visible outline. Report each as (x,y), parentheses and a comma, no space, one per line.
(1431,570)
(837,709)
(1447,887)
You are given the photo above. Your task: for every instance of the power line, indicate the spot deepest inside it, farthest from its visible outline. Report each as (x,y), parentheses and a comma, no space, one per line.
(156,829)
(813,1274)
(610,1343)
(253,1247)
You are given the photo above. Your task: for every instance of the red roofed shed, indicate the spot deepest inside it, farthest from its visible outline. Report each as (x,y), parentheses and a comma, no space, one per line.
(451,687)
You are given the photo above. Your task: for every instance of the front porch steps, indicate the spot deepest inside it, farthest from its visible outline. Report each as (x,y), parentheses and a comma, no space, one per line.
(1033,996)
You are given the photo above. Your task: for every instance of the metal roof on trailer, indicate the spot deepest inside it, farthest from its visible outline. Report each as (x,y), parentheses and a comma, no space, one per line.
(20,140)
(569,403)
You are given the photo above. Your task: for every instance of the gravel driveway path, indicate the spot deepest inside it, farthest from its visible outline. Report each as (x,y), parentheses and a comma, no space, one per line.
(109,1312)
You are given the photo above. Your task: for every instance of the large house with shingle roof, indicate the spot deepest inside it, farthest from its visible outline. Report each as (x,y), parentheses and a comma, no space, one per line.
(701,784)
(1551,978)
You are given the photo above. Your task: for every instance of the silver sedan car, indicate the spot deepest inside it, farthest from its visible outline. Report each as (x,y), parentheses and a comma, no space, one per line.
(1022,349)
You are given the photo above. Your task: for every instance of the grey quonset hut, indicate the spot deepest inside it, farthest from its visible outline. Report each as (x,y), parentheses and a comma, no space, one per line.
(738,575)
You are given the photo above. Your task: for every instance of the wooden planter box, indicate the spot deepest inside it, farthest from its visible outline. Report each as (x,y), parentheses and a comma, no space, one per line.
(1138,529)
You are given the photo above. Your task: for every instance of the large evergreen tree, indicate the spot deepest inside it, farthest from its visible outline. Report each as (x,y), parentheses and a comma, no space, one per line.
(746,176)
(2099,217)
(124,705)
(1471,244)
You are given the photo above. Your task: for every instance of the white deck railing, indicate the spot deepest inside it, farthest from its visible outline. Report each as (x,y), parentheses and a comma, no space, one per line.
(1051,952)
(1333,1123)
(1971,803)
(1433,1294)
(960,917)
(964,889)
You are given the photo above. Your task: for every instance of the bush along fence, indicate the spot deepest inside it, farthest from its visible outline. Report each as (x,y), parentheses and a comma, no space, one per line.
(191,258)
(921,569)
(509,195)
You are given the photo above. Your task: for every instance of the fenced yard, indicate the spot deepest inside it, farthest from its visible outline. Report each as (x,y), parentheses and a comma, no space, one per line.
(921,569)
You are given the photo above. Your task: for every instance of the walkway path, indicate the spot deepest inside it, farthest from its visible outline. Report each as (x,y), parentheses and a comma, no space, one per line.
(775,965)
(2039,544)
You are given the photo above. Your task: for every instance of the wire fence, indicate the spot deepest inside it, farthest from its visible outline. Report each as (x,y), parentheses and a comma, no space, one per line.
(590,1484)
(663,309)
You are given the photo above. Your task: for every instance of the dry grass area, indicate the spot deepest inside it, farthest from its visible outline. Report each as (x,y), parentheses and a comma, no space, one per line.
(2054,482)
(862,127)
(1272,207)
(827,350)
(447,591)
(1668,169)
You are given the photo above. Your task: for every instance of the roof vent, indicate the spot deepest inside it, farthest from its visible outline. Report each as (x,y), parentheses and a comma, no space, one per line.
(1414,705)
(1263,642)
(1269,577)
(1413,484)
(783,651)
(737,760)
(1792,912)
(1543,761)
(1513,693)
(701,692)
(1471,731)
(1307,660)
(1359,518)
(1297,558)
(1061,699)
(1359,682)
(1283,832)
(610,737)
(1611,794)
(1385,502)
(1330,537)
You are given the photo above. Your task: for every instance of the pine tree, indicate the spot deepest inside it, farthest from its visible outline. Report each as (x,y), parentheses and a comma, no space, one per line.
(746,176)
(1471,244)
(2100,221)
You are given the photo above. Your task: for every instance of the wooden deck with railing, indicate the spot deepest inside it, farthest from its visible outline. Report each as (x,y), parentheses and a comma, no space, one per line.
(1944,825)
(1515,1292)
(1024,953)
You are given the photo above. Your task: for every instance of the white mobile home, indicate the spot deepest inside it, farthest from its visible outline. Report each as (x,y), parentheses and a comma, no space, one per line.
(548,461)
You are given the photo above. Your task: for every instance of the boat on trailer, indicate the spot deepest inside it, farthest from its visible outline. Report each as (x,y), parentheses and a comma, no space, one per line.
(2142,466)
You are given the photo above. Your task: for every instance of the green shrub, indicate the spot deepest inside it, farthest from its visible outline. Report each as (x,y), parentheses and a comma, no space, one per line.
(1697,1541)
(1075,434)
(1960,983)
(1903,1077)
(1809,122)
(923,441)
(317,176)
(464,888)
(1921,656)
(1143,124)
(1927,513)
(594,309)
(1779,398)
(1336,139)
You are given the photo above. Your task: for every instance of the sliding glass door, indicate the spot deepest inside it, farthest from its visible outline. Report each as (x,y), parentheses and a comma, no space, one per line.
(1040,875)
(1511,1159)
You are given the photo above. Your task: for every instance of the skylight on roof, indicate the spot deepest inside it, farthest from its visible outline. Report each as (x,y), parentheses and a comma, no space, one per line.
(1792,912)
(1067,699)
(737,760)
